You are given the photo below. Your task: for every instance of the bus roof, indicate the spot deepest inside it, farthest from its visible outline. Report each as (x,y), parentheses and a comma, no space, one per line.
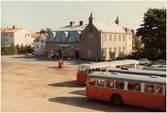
(138,72)
(156,67)
(127,77)
(112,63)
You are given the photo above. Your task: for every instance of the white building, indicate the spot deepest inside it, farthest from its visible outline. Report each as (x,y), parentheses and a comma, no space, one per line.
(39,45)
(17,36)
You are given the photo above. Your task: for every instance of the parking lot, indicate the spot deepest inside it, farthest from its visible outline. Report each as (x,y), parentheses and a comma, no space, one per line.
(36,84)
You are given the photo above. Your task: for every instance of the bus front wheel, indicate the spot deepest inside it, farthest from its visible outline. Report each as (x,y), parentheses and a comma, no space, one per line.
(116,100)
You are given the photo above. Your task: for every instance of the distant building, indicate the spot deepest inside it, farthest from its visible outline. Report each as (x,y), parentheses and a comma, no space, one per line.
(95,41)
(17,36)
(66,40)
(40,45)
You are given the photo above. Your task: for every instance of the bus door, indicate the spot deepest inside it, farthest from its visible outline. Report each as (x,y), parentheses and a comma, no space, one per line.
(90,88)
(100,88)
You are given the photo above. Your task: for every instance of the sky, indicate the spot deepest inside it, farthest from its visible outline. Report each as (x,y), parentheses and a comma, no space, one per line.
(36,15)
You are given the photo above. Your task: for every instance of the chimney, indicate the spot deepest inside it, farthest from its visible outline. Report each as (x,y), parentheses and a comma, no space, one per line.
(80,23)
(5,29)
(72,23)
(2,29)
(14,27)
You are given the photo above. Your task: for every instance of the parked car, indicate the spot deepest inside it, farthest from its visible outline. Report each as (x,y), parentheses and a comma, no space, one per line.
(160,62)
(144,61)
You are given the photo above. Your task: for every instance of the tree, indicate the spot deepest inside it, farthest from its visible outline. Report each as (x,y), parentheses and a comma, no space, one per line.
(13,49)
(153,32)
(42,31)
(48,30)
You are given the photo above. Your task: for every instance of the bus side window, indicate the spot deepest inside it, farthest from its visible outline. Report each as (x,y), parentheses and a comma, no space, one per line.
(119,84)
(110,83)
(97,69)
(159,89)
(149,88)
(92,81)
(134,86)
(100,82)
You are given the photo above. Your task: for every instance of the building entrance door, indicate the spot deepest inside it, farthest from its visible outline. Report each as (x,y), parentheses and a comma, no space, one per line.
(77,54)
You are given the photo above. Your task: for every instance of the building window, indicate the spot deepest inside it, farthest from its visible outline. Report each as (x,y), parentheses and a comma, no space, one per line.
(10,34)
(119,37)
(28,34)
(124,50)
(6,34)
(123,37)
(110,49)
(3,34)
(115,37)
(119,50)
(88,51)
(105,37)
(110,38)
(93,52)
(41,45)
(25,35)
(115,50)
(41,41)
(129,45)
(37,46)
(129,38)
(90,37)
(6,39)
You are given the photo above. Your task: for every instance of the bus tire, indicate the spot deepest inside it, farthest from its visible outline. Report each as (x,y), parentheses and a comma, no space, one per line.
(116,100)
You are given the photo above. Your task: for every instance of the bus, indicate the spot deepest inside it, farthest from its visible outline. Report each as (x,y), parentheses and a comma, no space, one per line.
(87,68)
(155,67)
(138,72)
(118,88)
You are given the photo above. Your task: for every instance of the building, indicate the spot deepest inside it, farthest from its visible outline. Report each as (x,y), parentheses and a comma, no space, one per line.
(17,36)
(40,45)
(95,41)
(66,40)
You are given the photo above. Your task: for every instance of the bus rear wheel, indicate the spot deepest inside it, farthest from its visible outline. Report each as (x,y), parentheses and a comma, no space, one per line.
(116,100)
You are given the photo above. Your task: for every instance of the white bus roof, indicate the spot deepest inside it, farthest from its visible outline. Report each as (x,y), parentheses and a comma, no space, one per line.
(112,63)
(127,77)
(138,72)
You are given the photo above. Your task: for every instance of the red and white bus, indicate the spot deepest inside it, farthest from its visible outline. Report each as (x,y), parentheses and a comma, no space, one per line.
(138,72)
(145,91)
(85,69)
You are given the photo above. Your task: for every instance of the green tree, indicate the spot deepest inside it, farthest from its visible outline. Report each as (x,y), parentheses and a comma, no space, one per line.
(42,31)
(13,49)
(30,49)
(153,32)
(48,30)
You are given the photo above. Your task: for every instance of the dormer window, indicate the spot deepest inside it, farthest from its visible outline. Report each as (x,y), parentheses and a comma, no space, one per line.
(65,35)
(53,35)
(77,37)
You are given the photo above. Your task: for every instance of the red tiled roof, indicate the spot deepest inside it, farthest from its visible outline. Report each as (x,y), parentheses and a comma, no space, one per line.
(34,35)
(37,39)
(7,30)
(128,31)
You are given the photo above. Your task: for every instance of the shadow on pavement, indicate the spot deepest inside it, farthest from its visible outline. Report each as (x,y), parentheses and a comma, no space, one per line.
(72,83)
(41,58)
(79,92)
(98,105)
